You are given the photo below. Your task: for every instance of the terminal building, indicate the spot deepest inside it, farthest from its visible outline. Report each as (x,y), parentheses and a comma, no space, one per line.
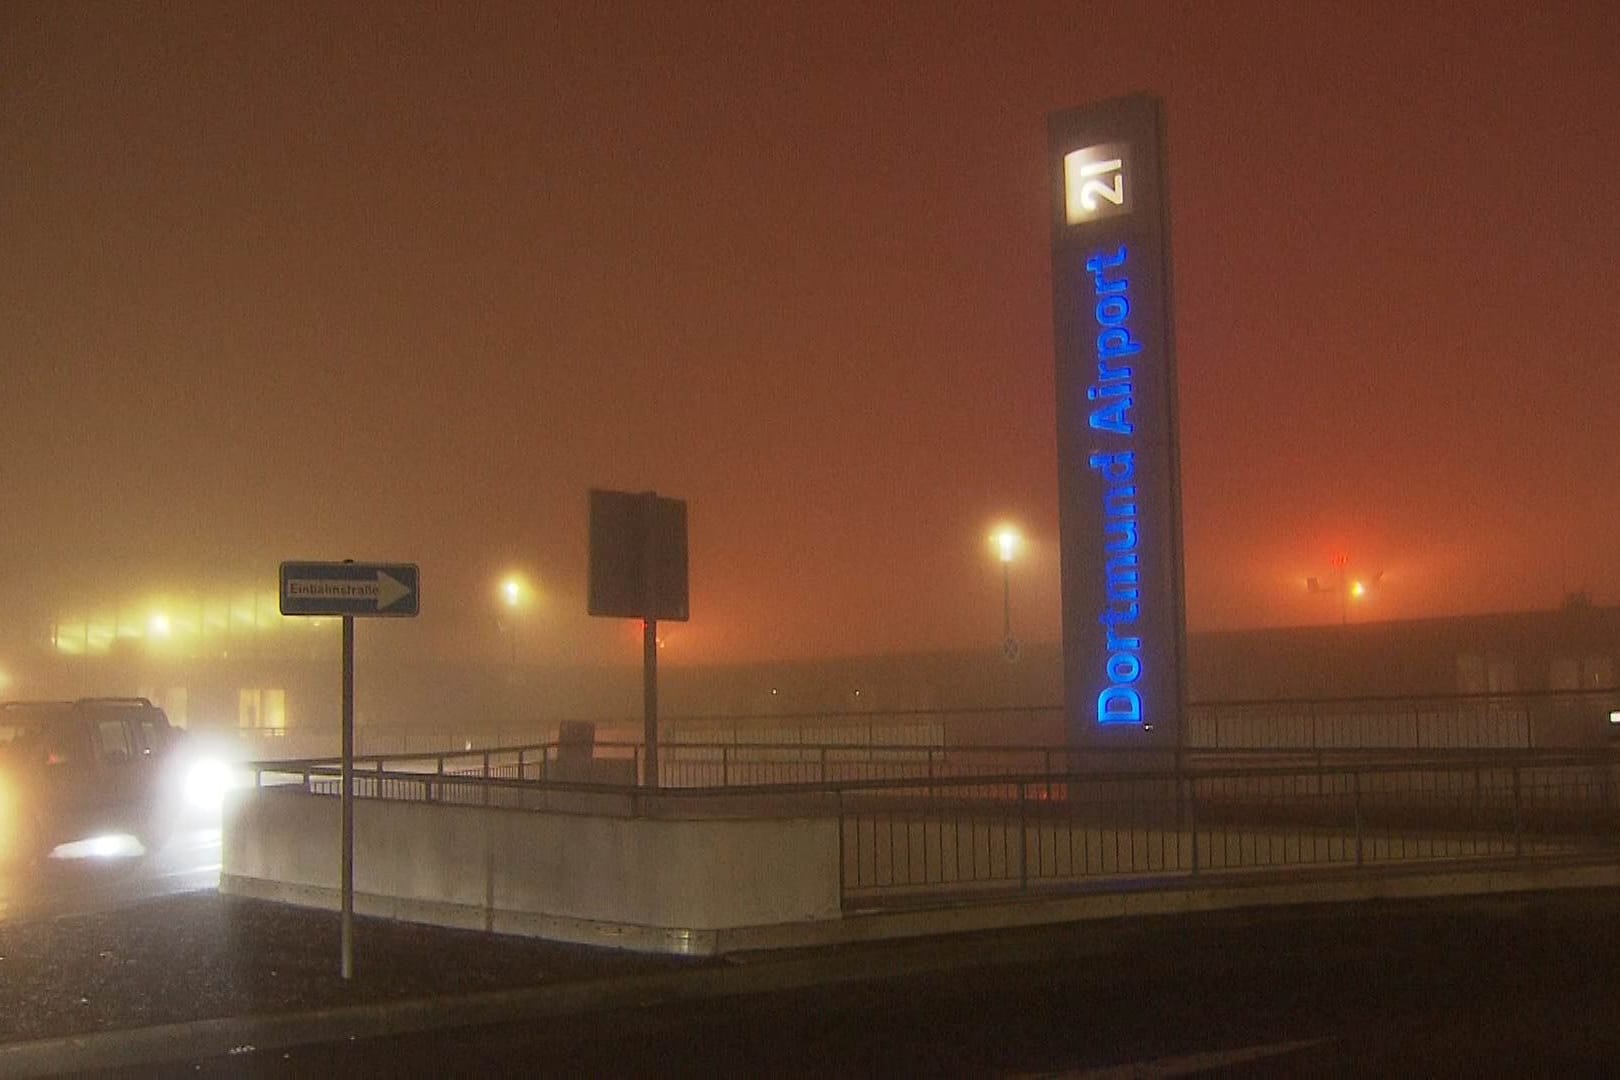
(230,661)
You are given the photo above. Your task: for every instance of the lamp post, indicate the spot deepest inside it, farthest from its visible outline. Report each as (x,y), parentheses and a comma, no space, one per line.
(1007,542)
(515,594)
(1340,561)
(512,596)
(1347,588)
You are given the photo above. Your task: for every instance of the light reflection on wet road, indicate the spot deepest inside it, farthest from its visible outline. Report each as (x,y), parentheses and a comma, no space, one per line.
(91,876)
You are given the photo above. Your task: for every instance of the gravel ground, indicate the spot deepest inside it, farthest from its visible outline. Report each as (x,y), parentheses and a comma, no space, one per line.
(202,955)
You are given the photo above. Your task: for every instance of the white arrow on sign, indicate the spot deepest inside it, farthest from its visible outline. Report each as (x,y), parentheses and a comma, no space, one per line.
(385,590)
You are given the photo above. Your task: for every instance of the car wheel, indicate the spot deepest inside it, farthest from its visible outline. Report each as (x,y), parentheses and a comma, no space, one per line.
(157,831)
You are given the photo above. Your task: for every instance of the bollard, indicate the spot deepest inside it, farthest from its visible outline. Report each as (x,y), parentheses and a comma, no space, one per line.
(1357,777)
(1518,818)
(1023,841)
(1192,819)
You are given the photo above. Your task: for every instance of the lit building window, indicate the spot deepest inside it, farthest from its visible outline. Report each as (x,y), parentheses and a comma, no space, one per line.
(262,709)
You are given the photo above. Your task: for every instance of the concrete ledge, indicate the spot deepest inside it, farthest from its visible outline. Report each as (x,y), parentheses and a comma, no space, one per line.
(1148,898)
(675,941)
(667,885)
(1120,901)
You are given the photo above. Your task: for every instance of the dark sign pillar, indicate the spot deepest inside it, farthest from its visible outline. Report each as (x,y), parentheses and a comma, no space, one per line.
(1119,481)
(638,571)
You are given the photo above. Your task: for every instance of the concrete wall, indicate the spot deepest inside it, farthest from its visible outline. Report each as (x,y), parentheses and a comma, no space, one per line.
(653,884)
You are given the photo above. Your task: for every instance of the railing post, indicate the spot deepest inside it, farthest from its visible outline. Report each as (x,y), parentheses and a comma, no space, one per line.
(1480,816)
(823,755)
(1357,777)
(1518,818)
(725,766)
(520,763)
(1607,811)
(486,765)
(1192,819)
(1023,841)
(842,881)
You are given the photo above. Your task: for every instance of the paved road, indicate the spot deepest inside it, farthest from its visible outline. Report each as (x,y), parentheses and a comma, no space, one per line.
(86,877)
(1498,987)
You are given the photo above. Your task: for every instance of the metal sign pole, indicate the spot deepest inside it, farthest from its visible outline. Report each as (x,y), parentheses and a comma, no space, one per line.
(648,514)
(349,590)
(649,696)
(649,632)
(347,799)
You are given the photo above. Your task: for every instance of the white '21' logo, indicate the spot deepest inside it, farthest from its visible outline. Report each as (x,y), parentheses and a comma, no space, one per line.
(1094,183)
(1097,183)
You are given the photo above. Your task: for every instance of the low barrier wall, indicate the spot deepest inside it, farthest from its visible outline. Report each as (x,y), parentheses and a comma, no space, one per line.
(652,884)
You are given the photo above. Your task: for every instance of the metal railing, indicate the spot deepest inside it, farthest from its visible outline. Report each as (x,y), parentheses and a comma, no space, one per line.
(724,765)
(1523,720)
(1030,833)
(1526,720)
(918,840)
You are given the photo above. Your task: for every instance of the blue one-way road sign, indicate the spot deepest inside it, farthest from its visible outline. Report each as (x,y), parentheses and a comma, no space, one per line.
(349,588)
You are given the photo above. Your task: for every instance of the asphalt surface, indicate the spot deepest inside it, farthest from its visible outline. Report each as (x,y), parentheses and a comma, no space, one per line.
(1515,987)
(1493,986)
(98,948)
(91,876)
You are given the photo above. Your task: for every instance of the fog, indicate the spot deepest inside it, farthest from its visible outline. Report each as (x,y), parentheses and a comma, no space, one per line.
(294,282)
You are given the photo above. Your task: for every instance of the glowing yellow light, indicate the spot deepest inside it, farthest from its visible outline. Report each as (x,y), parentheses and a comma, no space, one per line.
(1007,541)
(159,625)
(1357,589)
(516,590)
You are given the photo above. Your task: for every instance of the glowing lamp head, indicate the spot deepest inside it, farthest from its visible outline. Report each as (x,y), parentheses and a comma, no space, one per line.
(514,591)
(158,625)
(1007,542)
(1358,589)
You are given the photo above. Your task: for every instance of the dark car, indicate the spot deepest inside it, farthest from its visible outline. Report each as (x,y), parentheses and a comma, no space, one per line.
(71,770)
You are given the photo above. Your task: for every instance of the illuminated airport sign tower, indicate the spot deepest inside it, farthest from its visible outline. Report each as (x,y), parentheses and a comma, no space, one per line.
(1119,483)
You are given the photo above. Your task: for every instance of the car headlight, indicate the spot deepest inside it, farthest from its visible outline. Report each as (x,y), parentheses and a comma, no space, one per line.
(207,781)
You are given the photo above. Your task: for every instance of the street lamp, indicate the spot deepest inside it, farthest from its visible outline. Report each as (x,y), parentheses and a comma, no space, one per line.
(1348,589)
(1007,541)
(515,593)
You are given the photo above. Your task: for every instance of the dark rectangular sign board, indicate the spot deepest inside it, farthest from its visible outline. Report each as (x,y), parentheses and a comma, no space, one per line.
(362,590)
(638,556)
(1119,479)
